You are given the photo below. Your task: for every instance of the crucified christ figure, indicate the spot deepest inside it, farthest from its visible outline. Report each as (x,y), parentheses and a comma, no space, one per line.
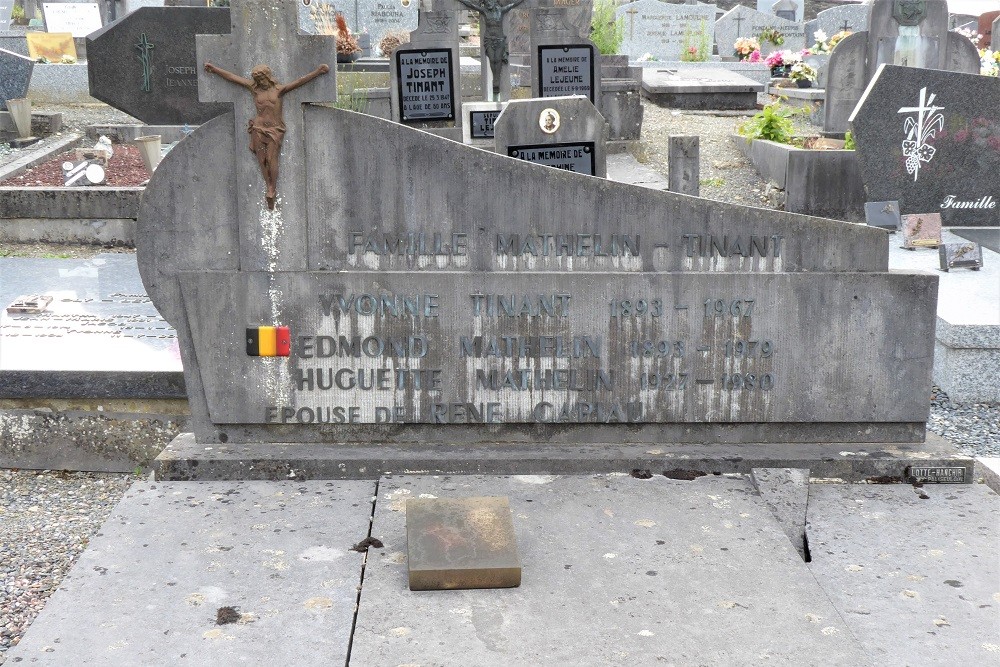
(267,128)
(491,14)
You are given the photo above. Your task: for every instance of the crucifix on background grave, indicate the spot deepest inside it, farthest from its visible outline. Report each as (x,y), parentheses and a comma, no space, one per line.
(739,30)
(267,129)
(268,237)
(845,27)
(491,14)
(631,21)
(145,57)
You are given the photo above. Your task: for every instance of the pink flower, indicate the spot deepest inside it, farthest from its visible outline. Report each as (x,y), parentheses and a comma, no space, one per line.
(755,56)
(693,50)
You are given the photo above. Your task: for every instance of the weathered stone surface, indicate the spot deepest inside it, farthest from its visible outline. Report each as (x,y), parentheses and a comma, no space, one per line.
(986,23)
(563,132)
(6,7)
(928,139)
(15,76)
(699,88)
(683,164)
(145,64)
(927,44)
(785,491)
(379,17)
(741,21)
(853,18)
(665,30)
(172,554)
(883,214)
(996,34)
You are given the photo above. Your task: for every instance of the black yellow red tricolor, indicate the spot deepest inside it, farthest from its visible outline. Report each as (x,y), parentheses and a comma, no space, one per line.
(269,341)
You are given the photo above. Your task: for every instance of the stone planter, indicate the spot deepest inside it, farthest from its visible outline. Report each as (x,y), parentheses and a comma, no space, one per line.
(824,183)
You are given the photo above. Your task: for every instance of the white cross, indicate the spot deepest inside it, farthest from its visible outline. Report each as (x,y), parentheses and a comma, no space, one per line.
(265,32)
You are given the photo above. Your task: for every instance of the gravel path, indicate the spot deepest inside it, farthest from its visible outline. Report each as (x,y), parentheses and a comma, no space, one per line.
(47,518)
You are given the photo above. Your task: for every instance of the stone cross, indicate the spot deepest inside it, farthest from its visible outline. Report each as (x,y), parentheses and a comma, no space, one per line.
(739,28)
(845,26)
(265,32)
(631,21)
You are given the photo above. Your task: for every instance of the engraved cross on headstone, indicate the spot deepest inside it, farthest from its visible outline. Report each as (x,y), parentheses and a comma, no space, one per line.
(631,21)
(265,32)
(739,29)
(846,26)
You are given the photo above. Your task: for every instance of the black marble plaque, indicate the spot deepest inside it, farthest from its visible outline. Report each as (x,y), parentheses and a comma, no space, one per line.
(578,157)
(481,123)
(145,65)
(566,70)
(426,89)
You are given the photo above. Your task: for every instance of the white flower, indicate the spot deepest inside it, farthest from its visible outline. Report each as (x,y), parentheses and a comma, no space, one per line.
(820,36)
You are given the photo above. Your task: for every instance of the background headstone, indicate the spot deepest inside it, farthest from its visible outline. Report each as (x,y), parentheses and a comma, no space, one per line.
(927,138)
(790,10)
(853,18)
(770,7)
(562,63)
(921,40)
(145,64)
(319,17)
(742,21)
(883,214)
(50,45)
(424,76)
(562,132)
(15,76)
(6,7)
(77,18)
(478,122)
(995,43)
(379,17)
(665,30)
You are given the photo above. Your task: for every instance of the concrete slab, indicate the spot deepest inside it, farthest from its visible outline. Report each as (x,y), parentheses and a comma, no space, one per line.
(185,459)
(617,570)
(147,589)
(624,168)
(700,89)
(917,580)
(786,493)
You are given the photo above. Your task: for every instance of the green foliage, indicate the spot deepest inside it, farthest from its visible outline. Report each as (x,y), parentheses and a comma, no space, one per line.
(606,31)
(773,123)
(355,100)
(716,182)
(17,13)
(696,47)
(849,142)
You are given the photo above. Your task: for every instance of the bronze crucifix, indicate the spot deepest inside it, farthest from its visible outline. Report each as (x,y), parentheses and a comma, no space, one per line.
(267,128)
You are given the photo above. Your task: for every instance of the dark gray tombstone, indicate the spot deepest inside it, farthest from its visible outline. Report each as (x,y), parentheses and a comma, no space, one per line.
(563,64)
(967,255)
(144,64)
(910,34)
(424,84)
(562,132)
(883,214)
(924,139)
(15,76)
(470,288)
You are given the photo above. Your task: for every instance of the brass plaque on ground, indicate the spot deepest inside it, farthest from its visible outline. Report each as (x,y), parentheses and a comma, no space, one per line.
(51,45)
(461,543)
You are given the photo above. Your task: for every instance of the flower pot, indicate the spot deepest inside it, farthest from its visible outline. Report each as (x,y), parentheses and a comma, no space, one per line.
(781,71)
(20,111)
(804,83)
(348,57)
(150,147)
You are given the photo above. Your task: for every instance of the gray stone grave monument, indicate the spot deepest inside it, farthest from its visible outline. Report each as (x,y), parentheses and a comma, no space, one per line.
(488,300)
(930,140)
(901,32)
(852,18)
(144,64)
(424,85)
(742,21)
(562,132)
(380,17)
(790,10)
(6,7)
(665,30)
(563,63)
(985,30)
(15,76)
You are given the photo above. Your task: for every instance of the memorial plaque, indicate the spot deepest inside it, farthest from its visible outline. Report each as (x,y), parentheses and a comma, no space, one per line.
(52,46)
(966,255)
(566,70)
(481,123)
(456,543)
(144,64)
(571,157)
(921,230)
(883,214)
(379,17)
(936,475)
(77,18)
(426,89)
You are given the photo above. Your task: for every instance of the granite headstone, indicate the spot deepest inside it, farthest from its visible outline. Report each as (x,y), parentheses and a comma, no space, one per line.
(472,289)
(144,64)
(792,10)
(665,30)
(6,7)
(379,17)
(910,34)
(561,132)
(921,230)
(931,140)
(77,18)
(15,76)
(424,86)
(742,21)
(965,255)
(852,18)
(563,64)
(883,214)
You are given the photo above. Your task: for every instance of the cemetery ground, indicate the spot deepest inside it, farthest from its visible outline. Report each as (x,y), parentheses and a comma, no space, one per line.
(47,518)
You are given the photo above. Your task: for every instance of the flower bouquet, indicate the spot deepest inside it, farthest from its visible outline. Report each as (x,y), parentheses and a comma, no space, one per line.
(803,74)
(744,46)
(772,36)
